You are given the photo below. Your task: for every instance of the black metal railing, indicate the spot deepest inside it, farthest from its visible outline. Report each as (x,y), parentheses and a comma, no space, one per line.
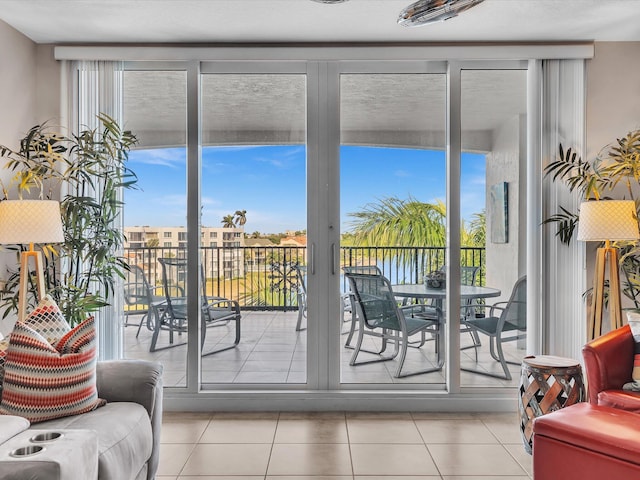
(264,278)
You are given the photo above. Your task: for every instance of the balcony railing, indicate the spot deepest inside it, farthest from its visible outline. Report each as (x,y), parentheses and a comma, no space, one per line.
(264,278)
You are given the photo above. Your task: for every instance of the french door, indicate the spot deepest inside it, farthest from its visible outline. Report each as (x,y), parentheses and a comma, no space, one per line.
(324,147)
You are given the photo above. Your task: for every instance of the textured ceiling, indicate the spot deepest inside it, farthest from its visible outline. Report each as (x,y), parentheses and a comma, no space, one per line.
(214,21)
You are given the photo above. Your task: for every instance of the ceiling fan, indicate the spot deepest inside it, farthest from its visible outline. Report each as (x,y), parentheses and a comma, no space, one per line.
(424,12)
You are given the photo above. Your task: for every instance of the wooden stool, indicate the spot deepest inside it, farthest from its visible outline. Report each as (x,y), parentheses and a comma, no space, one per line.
(547,383)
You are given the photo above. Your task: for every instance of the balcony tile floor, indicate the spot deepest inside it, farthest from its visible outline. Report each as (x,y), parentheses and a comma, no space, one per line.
(342,446)
(271,351)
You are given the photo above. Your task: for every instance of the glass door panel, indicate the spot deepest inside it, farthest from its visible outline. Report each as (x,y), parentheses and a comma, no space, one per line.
(393,216)
(493,210)
(254,244)
(155,221)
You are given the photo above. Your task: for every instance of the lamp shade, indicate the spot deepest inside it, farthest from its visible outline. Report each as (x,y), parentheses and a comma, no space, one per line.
(30,221)
(608,220)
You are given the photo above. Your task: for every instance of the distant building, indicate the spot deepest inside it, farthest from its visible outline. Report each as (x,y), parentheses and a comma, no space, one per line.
(143,245)
(294,241)
(258,254)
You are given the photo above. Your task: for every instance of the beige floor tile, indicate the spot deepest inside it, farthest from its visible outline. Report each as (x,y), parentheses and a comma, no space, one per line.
(443,416)
(476,460)
(240,431)
(518,452)
(312,415)
(219,477)
(404,477)
(183,430)
(379,415)
(166,477)
(310,459)
(393,460)
(245,416)
(362,430)
(173,457)
(455,431)
(505,426)
(310,477)
(234,459)
(474,477)
(317,430)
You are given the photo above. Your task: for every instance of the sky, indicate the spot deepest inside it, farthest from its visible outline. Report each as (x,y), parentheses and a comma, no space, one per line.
(269,183)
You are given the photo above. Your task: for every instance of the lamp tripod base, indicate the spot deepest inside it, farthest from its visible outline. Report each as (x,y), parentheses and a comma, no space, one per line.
(24,280)
(605,255)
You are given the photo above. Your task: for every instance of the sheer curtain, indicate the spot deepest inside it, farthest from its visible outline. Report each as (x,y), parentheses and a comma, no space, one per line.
(95,87)
(563,273)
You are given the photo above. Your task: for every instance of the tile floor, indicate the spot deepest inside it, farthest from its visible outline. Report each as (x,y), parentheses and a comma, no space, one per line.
(342,446)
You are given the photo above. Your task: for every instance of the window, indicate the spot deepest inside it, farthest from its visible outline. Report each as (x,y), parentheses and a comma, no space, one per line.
(167,234)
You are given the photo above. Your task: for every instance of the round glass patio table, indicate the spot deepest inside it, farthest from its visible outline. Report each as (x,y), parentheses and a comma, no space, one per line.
(420,290)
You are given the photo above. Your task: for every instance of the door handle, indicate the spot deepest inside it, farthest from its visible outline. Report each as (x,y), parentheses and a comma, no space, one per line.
(313,259)
(333,259)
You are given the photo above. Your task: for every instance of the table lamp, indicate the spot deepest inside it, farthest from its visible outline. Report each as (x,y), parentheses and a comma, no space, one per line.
(606,221)
(29,222)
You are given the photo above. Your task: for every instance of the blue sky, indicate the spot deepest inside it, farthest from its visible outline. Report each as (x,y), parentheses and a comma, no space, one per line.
(269,183)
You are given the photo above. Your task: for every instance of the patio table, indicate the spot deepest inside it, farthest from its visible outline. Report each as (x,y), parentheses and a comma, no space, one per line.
(420,291)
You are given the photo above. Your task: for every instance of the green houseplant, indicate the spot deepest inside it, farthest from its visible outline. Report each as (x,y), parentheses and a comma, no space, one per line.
(88,172)
(615,171)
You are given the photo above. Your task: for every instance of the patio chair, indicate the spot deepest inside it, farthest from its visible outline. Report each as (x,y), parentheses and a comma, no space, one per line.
(347,302)
(505,322)
(301,273)
(172,313)
(139,296)
(379,316)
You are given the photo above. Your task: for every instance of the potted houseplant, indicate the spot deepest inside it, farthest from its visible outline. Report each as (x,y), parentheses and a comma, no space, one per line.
(87,171)
(614,172)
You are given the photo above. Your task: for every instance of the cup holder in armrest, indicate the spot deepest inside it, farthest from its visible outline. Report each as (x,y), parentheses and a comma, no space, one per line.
(27,451)
(46,437)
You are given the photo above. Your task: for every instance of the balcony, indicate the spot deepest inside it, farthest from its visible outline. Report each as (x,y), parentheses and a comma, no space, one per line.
(264,282)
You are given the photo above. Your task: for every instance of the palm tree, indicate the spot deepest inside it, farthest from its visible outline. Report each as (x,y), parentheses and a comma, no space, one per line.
(477,232)
(393,222)
(240,217)
(227,221)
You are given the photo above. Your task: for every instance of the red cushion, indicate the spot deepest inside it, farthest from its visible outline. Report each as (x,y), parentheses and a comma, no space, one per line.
(608,431)
(621,399)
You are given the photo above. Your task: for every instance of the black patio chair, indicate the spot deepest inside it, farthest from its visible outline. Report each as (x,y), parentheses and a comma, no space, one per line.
(171,314)
(380,316)
(504,322)
(139,296)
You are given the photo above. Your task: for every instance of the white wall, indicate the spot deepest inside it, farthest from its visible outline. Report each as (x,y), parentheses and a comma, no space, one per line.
(29,94)
(504,165)
(613,93)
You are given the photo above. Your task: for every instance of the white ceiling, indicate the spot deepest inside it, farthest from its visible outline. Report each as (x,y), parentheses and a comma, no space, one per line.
(266,21)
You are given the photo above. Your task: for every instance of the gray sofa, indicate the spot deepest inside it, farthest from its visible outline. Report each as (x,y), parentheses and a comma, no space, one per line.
(119,441)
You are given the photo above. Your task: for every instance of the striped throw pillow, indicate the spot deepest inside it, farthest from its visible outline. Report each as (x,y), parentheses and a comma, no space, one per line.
(47,320)
(44,381)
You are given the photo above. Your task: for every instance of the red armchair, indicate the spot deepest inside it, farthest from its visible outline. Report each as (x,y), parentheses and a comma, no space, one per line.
(608,364)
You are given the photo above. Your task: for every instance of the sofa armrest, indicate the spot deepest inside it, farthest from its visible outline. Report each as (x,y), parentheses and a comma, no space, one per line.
(137,381)
(608,361)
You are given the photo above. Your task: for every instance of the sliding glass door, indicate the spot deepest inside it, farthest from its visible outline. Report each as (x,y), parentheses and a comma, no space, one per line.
(155,108)
(253,223)
(393,216)
(294,173)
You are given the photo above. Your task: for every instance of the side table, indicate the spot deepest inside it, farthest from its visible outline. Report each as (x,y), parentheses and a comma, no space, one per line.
(547,383)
